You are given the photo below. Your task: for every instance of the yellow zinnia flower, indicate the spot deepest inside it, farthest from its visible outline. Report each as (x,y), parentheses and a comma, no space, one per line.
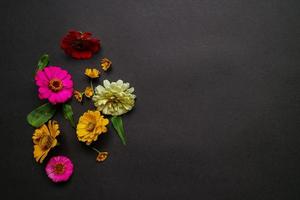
(114,98)
(92,73)
(105,64)
(91,124)
(89,92)
(44,139)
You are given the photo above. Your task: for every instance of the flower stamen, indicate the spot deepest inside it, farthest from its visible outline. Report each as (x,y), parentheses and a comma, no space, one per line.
(55,85)
(59,168)
(90,126)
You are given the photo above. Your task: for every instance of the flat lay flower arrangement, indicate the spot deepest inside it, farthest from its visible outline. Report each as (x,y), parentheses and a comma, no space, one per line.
(112,99)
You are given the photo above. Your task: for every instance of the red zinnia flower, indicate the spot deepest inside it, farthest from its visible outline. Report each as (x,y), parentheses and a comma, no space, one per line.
(80,45)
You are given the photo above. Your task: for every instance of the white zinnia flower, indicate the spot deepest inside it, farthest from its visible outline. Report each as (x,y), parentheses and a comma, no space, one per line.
(114,98)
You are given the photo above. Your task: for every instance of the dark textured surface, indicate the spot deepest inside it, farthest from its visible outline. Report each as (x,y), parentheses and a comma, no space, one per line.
(217,115)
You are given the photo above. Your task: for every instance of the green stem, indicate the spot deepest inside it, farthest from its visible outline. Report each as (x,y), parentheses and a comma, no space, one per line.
(95,149)
(91,82)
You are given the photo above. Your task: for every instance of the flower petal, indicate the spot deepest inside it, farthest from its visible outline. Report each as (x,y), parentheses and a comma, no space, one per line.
(61,74)
(106,83)
(67,83)
(44,93)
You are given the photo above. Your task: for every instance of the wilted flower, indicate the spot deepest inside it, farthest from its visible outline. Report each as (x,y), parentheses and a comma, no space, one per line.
(102,156)
(105,64)
(77,95)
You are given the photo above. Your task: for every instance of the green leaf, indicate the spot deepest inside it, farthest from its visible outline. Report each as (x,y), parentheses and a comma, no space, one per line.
(118,125)
(41,115)
(43,62)
(68,113)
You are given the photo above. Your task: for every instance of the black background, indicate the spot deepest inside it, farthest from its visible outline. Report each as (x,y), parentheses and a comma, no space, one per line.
(217,115)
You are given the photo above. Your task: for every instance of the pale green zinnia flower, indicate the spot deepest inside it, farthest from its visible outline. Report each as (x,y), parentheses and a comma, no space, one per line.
(114,98)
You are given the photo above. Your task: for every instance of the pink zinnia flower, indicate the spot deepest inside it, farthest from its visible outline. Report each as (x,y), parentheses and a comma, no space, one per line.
(55,84)
(59,168)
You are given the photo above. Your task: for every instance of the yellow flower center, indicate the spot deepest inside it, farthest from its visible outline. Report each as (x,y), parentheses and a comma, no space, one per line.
(90,126)
(59,168)
(46,142)
(55,85)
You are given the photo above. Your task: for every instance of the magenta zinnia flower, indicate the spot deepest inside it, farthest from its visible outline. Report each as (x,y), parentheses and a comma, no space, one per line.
(59,168)
(55,84)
